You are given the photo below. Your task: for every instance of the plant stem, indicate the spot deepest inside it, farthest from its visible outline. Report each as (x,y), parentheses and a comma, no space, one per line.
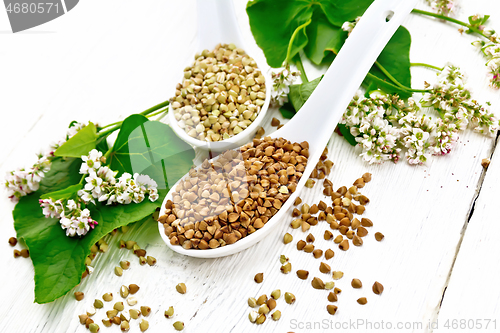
(300,67)
(109,125)
(293,38)
(421,64)
(148,113)
(392,78)
(396,84)
(450,19)
(373,77)
(108,153)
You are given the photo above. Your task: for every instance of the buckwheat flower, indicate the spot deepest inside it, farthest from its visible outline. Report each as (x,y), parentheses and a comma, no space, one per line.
(69,226)
(74,128)
(138,197)
(494,67)
(125,198)
(144,181)
(153,195)
(107,175)
(349,26)
(71,205)
(91,162)
(51,209)
(443,7)
(416,141)
(86,196)
(282,78)
(483,120)
(445,137)
(81,225)
(93,184)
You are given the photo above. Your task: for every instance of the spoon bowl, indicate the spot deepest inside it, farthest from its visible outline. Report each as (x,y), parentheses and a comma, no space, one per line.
(217,25)
(319,115)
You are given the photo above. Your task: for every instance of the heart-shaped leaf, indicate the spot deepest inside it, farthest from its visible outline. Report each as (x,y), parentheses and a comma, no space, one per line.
(80,144)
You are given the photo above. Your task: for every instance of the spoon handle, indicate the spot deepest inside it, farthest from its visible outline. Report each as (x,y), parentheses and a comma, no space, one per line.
(216,23)
(318,117)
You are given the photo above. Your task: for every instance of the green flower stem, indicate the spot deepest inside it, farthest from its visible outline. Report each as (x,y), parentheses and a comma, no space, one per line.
(153,111)
(300,67)
(400,86)
(392,78)
(109,125)
(82,179)
(450,19)
(288,60)
(421,64)
(108,153)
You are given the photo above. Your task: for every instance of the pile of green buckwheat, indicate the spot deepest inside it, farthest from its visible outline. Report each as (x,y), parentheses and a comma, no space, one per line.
(221,95)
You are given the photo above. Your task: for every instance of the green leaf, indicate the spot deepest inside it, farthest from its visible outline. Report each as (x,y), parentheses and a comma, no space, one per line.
(273,22)
(375,83)
(340,11)
(80,144)
(346,133)
(151,148)
(66,193)
(323,38)
(116,161)
(287,110)
(59,261)
(299,93)
(102,144)
(395,59)
(283,27)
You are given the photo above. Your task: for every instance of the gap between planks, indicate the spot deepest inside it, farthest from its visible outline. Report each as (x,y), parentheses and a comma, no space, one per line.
(464,228)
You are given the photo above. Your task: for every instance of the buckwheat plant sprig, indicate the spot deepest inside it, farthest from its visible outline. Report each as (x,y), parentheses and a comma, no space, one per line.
(451,98)
(490,45)
(21,182)
(490,48)
(101,185)
(282,79)
(384,124)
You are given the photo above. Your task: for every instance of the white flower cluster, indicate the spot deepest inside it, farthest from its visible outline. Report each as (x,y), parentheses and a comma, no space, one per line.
(372,130)
(382,124)
(73,219)
(451,98)
(490,49)
(21,182)
(349,26)
(416,135)
(443,7)
(102,185)
(282,79)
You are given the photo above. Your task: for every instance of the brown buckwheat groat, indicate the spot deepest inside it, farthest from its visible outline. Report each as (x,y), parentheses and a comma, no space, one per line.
(235,195)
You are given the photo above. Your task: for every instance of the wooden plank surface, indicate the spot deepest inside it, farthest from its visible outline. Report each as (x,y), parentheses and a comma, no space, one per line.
(102,68)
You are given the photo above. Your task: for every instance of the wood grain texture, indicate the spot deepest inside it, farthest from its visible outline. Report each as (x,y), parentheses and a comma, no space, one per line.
(103,69)
(471,298)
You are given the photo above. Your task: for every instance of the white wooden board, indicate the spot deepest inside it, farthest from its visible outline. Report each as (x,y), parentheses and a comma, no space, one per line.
(92,66)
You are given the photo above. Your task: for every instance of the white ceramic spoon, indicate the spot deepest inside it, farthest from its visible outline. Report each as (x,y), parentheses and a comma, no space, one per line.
(217,24)
(319,115)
